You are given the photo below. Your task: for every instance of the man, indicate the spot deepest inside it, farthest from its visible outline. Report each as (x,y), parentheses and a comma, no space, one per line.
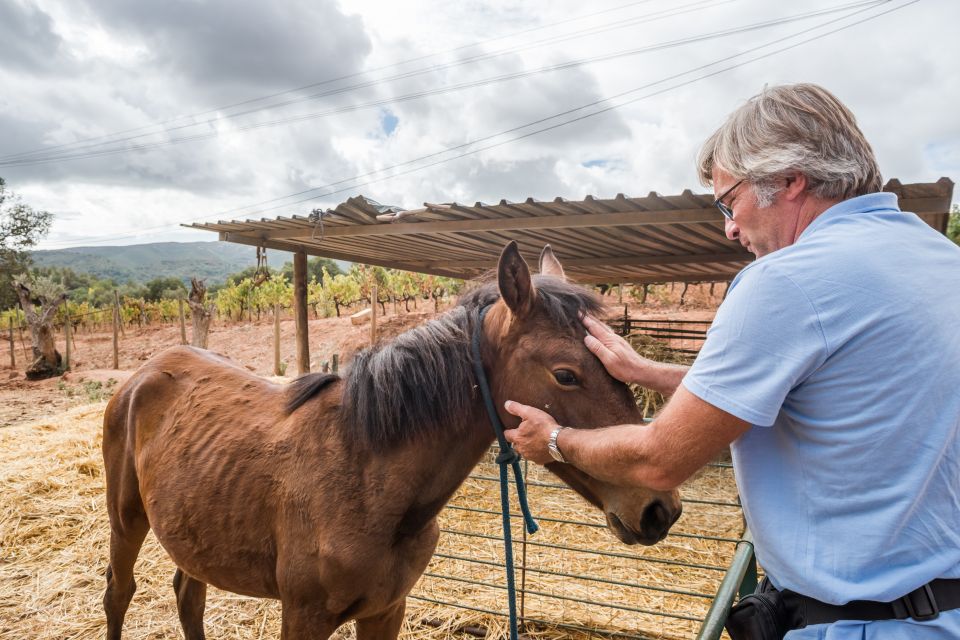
(832,370)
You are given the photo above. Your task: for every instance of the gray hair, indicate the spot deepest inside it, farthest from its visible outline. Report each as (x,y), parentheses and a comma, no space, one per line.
(796,127)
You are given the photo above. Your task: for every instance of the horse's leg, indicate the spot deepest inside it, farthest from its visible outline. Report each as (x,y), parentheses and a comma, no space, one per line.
(125,541)
(305,621)
(191,600)
(383,626)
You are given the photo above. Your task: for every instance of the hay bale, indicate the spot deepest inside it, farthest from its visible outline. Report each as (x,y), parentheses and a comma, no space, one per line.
(54,536)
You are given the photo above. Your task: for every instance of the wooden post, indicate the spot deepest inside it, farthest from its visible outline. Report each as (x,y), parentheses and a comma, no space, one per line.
(335,363)
(116,297)
(276,340)
(23,344)
(620,292)
(116,343)
(183,323)
(300,311)
(396,309)
(13,357)
(67,330)
(626,320)
(373,315)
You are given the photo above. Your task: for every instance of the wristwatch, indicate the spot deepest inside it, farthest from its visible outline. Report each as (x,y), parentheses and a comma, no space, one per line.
(552,445)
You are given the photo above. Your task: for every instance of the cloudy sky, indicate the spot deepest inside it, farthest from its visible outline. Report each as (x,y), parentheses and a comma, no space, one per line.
(127,118)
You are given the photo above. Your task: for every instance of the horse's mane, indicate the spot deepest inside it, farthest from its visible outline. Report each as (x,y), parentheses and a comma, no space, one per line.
(422,381)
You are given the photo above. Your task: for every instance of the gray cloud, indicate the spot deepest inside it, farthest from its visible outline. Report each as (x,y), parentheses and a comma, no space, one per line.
(27,39)
(229,49)
(117,65)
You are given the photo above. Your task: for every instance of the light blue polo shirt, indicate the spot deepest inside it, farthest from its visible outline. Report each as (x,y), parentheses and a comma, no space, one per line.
(843,351)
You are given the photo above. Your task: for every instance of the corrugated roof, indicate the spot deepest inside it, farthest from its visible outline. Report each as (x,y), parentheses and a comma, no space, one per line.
(649,239)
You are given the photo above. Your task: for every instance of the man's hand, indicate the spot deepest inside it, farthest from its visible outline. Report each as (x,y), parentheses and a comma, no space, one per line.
(530,439)
(626,365)
(616,354)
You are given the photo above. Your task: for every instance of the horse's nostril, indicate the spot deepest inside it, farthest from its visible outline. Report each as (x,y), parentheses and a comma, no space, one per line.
(657,519)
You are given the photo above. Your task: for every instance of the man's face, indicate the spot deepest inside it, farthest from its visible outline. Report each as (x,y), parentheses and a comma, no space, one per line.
(760,231)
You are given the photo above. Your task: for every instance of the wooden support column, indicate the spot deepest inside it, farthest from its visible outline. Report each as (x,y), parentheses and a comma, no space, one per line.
(300,311)
(373,315)
(276,340)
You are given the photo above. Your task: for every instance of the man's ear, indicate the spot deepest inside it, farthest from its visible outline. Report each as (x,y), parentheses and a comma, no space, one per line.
(549,265)
(513,278)
(797,184)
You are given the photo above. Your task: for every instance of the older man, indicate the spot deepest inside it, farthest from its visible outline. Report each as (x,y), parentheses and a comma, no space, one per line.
(832,370)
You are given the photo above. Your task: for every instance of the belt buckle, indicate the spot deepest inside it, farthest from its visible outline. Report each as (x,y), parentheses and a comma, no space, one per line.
(919,608)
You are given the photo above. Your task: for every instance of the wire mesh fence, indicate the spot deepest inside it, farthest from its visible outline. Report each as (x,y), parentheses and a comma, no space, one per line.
(573,576)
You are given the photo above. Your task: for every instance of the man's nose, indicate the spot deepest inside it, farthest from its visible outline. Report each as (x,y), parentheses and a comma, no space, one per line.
(731,229)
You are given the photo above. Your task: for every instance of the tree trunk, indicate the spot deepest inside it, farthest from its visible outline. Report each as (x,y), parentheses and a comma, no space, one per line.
(46,359)
(200,313)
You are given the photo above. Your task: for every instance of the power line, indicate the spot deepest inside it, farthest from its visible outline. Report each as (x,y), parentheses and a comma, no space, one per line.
(567,112)
(451,88)
(590,31)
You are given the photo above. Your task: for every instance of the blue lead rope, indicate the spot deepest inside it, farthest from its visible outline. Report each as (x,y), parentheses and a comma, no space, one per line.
(507,457)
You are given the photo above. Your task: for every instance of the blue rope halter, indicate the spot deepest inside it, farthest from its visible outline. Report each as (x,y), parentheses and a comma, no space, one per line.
(507,457)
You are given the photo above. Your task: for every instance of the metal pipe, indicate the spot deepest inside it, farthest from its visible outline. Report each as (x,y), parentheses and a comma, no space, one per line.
(743,558)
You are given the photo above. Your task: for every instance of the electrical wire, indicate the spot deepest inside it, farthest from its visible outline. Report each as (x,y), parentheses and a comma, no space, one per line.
(553,126)
(564,66)
(667,13)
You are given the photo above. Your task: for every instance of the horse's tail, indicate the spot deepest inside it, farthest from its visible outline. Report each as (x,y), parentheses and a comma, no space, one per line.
(119,439)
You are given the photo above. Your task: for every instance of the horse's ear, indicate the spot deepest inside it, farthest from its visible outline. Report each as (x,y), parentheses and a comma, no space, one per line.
(549,265)
(513,277)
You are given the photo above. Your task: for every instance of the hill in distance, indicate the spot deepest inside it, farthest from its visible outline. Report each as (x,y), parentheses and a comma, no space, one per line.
(211,261)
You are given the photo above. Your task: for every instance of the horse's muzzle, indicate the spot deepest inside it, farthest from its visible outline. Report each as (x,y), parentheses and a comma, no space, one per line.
(654,524)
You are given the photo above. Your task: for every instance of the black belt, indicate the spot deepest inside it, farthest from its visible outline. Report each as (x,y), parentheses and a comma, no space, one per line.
(923,603)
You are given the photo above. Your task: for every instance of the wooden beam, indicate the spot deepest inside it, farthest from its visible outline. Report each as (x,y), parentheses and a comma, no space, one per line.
(300,311)
(617,219)
(312,250)
(611,260)
(713,277)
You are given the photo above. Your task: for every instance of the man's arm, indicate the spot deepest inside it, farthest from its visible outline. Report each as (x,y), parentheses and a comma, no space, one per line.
(661,455)
(626,365)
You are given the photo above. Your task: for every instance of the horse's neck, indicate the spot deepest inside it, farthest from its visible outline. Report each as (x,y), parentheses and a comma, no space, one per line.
(430,470)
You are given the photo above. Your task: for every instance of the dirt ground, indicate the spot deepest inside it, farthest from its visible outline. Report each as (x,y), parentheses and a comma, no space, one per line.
(92,379)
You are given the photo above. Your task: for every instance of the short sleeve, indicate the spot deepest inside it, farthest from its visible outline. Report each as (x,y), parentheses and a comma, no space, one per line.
(765,340)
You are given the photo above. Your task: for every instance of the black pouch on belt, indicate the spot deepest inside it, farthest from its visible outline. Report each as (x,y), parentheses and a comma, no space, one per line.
(764,615)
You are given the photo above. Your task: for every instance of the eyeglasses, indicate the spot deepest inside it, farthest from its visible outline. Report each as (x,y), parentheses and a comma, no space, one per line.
(719,204)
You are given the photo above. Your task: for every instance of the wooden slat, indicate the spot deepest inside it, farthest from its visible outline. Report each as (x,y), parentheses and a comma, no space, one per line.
(532,222)
(571,263)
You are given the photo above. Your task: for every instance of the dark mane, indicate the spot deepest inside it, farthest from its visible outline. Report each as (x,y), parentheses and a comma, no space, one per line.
(305,387)
(422,381)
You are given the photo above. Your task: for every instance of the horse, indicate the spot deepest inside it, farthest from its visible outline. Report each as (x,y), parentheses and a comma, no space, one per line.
(324,493)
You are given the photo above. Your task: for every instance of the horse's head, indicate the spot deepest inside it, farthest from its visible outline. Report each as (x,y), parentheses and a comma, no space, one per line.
(540,360)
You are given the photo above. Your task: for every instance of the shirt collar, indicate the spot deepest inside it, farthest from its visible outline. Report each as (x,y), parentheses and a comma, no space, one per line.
(880,201)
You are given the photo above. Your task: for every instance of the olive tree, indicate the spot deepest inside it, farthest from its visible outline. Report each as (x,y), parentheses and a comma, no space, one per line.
(21,227)
(50,295)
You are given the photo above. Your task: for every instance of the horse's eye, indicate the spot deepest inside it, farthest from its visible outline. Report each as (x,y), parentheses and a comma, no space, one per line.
(566,377)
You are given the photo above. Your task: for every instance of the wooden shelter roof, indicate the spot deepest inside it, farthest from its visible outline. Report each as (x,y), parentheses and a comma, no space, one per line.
(642,240)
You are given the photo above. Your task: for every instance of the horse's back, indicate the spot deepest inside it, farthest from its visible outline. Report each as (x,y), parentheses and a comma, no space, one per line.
(162,383)
(199,440)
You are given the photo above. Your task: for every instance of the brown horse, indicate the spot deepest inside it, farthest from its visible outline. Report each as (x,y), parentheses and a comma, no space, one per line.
(324,493)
